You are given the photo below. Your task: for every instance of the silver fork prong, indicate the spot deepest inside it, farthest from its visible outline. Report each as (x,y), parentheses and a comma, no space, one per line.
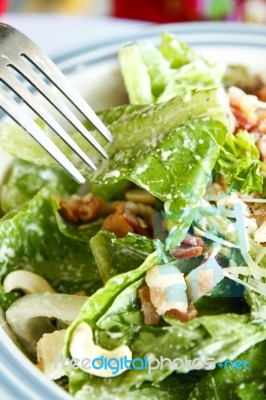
(28,73)
(23,46)
(16,113)
(52,72)
(28,98)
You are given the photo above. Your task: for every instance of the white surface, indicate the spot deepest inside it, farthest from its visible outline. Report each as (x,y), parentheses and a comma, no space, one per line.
(58,34)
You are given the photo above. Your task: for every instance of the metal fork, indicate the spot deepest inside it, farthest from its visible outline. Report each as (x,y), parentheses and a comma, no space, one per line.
(19,53)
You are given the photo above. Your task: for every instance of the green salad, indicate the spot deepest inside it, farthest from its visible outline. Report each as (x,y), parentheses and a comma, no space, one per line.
(149,281)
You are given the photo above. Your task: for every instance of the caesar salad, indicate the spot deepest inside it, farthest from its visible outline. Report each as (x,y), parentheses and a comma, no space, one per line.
(148,281)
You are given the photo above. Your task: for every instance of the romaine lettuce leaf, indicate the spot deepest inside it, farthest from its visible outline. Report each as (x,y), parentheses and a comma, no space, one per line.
(226,297)
(176,52)
(101,300)
(136,76)
(239,161)
(109,191)
(232,384)
(154,75)
(114,255)
(34,238)
(26,179)
(176,386)
(116,309)
(168,149)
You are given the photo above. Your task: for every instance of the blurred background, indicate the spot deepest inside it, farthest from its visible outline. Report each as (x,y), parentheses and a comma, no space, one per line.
(158,11)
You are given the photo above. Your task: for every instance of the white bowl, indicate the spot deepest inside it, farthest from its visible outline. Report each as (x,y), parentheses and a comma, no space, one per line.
(95,72)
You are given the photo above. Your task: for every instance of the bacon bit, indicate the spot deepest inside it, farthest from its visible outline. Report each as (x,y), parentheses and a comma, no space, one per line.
(184,317)
(192,246)
(143,212)
(124,221)
(67,212)
(222,182)
(242,121)
(116,223)
(81,209)
(150,315)
(191,240)
(184,251)
(136,223)
(261,93)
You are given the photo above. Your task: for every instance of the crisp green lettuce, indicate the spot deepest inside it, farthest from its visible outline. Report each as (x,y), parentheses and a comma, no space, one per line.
(239,161)
(175,385)
(235,384)
(109,191)
(26,179)
(116,309)
(116,255)
(34,237)
(176,52)
(104,297)
(154,75)
(168,149)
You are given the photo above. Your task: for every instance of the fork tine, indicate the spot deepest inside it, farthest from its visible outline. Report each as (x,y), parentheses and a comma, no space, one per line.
(48,68)
(16,113)
(53,73)
(28,98)
(23,68)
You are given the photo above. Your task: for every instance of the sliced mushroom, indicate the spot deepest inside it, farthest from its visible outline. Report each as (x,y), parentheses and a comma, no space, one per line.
(26,281)
(82,348)
(30,316)
(49,356)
